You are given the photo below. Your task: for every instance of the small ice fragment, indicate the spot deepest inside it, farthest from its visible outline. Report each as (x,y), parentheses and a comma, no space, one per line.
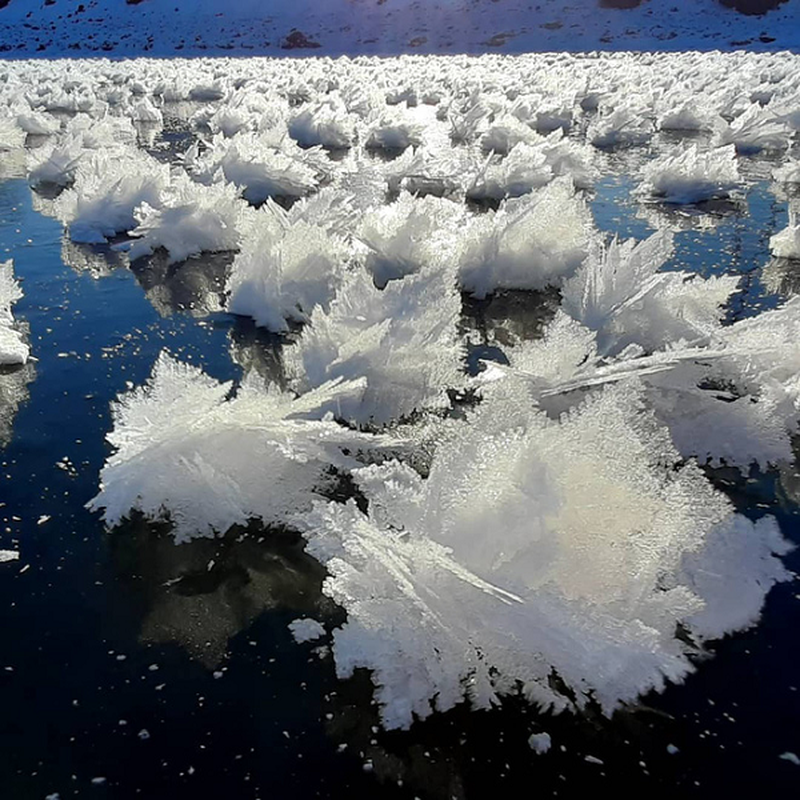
(593,760)
(144,734)
(8,555)
(306,630)
(43,519)
(367,766)
(540,742)
(218,674)
(153,667)
(54,796)
(25,569)
(98,781)
(123,722)
(790,757)
(672,750)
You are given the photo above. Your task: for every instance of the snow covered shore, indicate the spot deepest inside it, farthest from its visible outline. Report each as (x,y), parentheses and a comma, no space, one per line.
(29,28)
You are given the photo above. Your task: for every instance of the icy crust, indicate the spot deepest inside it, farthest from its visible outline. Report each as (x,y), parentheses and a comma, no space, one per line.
(536,549)
(13,349)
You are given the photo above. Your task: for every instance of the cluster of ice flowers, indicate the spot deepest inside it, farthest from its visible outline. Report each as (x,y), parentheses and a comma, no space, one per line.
(542,526)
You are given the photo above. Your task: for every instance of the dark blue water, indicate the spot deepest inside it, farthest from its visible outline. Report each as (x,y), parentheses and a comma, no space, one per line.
(128,659)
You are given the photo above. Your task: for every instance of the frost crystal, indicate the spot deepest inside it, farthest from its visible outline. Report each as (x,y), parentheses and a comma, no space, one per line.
(286,268)
(186,450)
(786,243)
(306,630)
(401,339)
(533,241)
(692,176)
(536,548)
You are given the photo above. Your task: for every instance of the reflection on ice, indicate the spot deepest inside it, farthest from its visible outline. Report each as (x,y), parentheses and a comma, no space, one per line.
(204,592)
(13,392)
(782,276)
(195,285)
(98,260)
(702,216)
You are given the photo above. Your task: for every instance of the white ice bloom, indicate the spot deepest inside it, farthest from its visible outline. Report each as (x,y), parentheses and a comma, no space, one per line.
(692,176)
(679,113)
(621,293)
(505,133)
(102,133)
(409,235)
(763,352)
(537,548)
(107,188)
(719,426)
(325,124)
(189,219)
(529,243)
(624,126)
(731,396)
(36,123)
(468,123)
(145,111)
(786,243)
(258,166)
(567,157)
(402,339)
(523,170)
(12,136)
(186,450)
(788,173)
(395,132)
(437,171)
(555,116)
(13,349)
(755,130)
(285,269)
(57,164)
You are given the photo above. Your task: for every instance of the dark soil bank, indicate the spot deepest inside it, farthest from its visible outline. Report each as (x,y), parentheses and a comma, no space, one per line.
(752,7)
